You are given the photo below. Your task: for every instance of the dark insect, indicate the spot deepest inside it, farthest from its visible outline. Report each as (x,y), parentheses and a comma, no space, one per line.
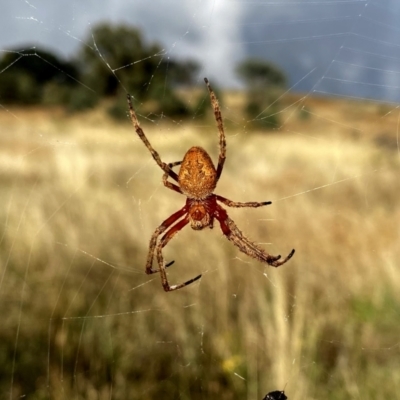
(275,395)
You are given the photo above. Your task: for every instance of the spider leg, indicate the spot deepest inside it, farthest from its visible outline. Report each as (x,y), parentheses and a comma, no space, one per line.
(232,232)
(220,124)
(170,185)
(162,243)
(153,241)
(142,136)
(174,164)
(236,204)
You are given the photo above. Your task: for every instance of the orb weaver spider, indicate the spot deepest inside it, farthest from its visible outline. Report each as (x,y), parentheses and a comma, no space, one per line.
(197,180)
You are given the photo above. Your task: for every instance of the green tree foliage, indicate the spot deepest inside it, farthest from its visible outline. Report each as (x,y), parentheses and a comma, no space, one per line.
(119,58)
(116,55)
(257,72)
(25,74)
(113,60)
(180,73)
(264,82)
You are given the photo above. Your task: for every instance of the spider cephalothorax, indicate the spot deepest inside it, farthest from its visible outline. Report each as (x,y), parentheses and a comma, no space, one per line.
(200,212)
(197,180)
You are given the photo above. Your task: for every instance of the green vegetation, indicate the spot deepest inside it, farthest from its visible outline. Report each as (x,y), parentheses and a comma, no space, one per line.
(264,82)
(116,59)
(113,59)
(26,74)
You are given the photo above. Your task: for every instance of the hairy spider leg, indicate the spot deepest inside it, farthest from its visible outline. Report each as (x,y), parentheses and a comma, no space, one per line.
(281,262)
(163,242)
(232,232)
(231,203)
(220,124)
(153,241)
(174,164)
(165,167)
(170,185)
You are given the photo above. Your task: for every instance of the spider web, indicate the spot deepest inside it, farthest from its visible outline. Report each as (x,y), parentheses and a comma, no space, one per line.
(81,197)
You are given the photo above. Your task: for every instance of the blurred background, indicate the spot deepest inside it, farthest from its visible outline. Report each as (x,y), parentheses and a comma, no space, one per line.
(309,97)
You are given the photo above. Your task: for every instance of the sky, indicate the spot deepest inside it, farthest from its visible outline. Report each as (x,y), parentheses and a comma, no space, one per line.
(344,47)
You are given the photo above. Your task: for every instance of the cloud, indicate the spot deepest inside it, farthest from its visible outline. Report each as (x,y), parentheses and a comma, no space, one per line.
(297,36)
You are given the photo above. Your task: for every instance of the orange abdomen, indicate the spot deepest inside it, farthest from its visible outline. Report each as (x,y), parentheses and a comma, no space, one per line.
(197,175)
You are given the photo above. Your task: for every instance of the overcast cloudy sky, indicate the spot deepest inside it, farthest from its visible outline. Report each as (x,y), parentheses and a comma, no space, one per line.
(347,47)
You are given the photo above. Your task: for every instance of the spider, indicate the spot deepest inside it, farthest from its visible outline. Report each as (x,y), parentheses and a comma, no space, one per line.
(197,180)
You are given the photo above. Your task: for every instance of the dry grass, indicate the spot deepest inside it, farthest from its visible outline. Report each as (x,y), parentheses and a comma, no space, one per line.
(81,197)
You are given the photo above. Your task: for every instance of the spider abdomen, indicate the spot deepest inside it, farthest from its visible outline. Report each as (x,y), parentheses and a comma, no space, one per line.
(197,175)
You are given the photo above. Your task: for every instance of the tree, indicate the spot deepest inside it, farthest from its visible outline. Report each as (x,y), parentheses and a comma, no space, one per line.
(118,55)
(264,82)
(119,58)
(180,72)
(25,74)
(257,72)
(113,59)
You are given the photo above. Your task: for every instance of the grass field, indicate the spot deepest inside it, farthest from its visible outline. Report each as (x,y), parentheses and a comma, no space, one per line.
(80,199)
